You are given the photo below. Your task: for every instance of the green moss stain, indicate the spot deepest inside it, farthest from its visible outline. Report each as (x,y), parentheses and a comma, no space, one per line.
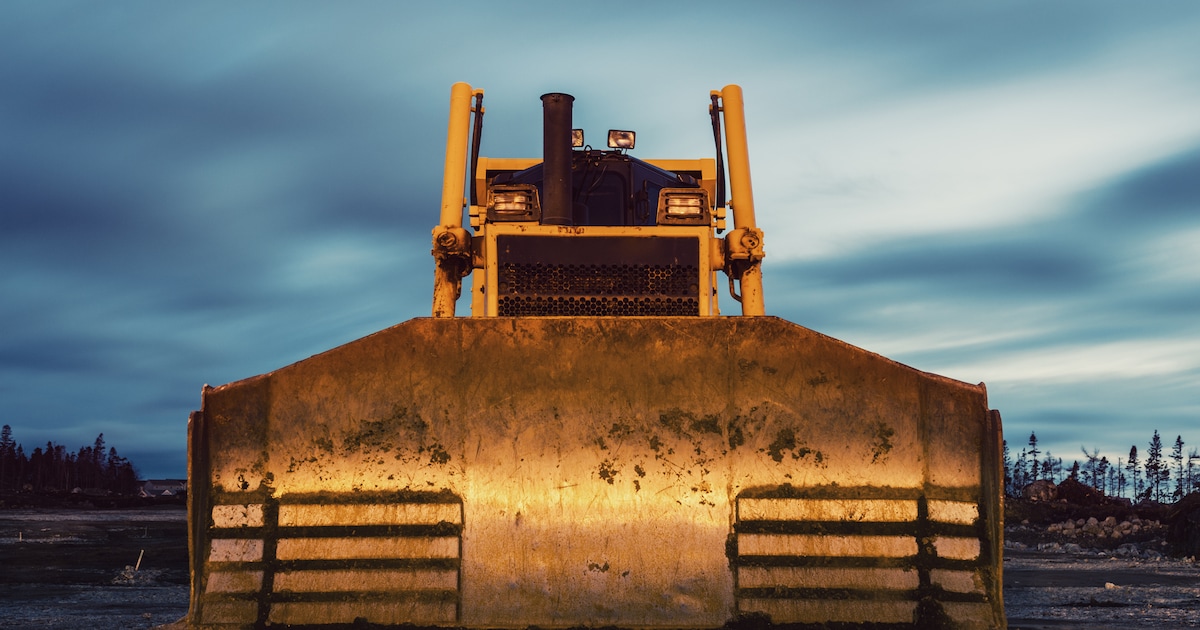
(438,454)
(295,464)
(747,366)
(736,436)
(608,471)
(407,422)
(785,440)
(370,435)
(402,432)
(881,442)
(675,419)
(707,424)
(620,430)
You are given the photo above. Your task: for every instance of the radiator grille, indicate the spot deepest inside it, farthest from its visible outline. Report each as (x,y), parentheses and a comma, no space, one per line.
(597,276)
(676,280)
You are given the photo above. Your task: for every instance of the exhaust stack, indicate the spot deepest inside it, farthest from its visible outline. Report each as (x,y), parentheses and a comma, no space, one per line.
(556,159)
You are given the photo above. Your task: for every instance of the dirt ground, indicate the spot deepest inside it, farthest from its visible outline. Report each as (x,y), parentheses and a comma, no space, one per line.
(1046,590)
(72,568)
(66,568)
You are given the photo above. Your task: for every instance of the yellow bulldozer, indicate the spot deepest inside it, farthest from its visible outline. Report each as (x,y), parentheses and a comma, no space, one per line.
(596,445)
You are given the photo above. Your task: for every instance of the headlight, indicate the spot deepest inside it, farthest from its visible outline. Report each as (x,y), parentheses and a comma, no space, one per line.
(618,139)
(684,206)
(515,202)
(576,138)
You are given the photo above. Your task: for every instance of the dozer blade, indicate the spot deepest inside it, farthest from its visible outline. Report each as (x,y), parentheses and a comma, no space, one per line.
(635,472)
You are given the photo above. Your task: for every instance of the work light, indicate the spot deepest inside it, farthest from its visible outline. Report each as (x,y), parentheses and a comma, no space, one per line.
(618,139)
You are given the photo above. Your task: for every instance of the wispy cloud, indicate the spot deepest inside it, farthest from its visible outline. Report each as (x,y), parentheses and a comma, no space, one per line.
(201,193)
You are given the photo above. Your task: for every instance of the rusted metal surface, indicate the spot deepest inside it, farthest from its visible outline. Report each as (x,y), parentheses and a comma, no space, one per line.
(672,472)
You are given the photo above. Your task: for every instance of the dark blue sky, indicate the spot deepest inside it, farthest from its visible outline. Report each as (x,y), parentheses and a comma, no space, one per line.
(198,193)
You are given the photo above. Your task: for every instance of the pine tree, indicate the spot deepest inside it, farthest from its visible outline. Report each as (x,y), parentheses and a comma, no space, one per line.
(8,458)
(1102,475)
(1019,469)
(1091,469)
(1033,457)
(1155,468)
(1177,457)
(1193,483)
(21,469)
(1120,478)
(1048,466)
(1135,478)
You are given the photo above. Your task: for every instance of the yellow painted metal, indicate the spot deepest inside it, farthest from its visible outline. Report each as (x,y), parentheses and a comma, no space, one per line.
(564,472)
(738,153)
(448,278)
(703,169)
(457,134)
(752,290)
(478,295)
(742,194)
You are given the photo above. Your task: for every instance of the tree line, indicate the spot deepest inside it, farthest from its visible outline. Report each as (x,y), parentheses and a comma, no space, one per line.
(1159,477)
(55,468)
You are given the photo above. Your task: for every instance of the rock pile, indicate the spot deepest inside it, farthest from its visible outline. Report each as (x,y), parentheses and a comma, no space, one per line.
(134,577)
(1145,551)
(1108,528)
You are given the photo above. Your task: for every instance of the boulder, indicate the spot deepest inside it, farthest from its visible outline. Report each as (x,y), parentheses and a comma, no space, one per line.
(1040,490)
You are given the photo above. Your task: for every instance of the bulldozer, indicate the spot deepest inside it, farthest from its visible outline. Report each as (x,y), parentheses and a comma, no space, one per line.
(596,445)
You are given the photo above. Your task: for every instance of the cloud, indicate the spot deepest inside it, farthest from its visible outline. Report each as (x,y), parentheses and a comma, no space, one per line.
(1161,196)
(202,193)
(1080,321)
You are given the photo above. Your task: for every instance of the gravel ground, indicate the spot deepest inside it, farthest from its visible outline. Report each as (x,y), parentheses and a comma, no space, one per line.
(78,606)
(67,569)
(1096,590)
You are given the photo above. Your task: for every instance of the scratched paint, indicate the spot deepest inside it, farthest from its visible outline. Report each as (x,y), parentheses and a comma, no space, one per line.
(599,462)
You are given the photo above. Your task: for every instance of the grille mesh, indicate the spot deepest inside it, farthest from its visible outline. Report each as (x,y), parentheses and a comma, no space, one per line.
(597,276)
(596,307)
(597,290)
(536,278)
